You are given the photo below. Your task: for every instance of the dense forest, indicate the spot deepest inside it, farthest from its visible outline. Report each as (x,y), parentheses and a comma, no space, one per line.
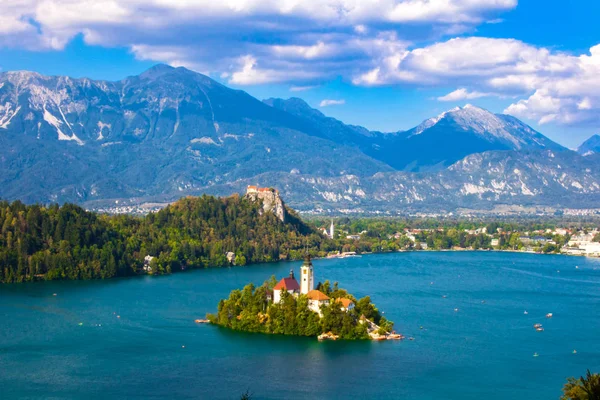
(67,242)
(249,310)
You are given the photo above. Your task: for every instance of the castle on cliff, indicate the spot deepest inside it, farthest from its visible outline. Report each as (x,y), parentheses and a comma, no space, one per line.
(271,200)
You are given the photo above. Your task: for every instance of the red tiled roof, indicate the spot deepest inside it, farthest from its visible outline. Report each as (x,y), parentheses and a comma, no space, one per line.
(287,284)
(345,302)
(317,295)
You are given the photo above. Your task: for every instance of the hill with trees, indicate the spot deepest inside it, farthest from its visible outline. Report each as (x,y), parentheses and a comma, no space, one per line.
(68,242)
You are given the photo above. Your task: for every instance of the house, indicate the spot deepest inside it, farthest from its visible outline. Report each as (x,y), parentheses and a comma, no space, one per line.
(590,249)
(316,299)
(289,284)
(353,237)
(230,257)
(147,260)
(495,242)
(346,304)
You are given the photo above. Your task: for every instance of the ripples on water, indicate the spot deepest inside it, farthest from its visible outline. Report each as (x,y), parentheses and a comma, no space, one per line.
(483,350)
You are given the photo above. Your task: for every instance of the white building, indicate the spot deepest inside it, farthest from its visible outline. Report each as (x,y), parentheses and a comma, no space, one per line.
(289,285)
(346,304)
(591,249)
(316,299)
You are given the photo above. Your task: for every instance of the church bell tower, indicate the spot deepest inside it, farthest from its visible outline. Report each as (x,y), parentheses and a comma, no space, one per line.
(307,282)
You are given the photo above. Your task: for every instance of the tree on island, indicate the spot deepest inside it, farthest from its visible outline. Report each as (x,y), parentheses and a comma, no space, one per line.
(585,388)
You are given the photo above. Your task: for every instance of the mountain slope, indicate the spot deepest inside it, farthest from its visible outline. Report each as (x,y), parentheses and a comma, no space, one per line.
(164,132)
(479,181)
(590,146)
(170,132)
(434,144)
(441,141)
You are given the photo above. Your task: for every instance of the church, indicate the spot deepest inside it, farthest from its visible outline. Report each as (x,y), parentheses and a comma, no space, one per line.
(316,298)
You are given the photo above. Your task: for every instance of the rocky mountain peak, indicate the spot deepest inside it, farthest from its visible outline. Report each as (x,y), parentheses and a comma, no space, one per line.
(590,146)
(497,128)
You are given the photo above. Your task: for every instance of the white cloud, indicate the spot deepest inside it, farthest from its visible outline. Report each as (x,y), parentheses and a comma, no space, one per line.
(307,42)
(462,94)
(553,86)
(326,38)
(318,50)
(250,73)
(447,11)
(329,102)
(302,88)
(361,29)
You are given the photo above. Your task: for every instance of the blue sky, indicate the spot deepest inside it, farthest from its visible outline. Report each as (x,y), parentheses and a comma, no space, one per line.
(383,64)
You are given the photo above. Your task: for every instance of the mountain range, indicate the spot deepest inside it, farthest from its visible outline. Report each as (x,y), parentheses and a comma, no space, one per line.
(170,132)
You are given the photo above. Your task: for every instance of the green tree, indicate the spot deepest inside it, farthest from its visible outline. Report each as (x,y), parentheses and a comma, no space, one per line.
(585,388)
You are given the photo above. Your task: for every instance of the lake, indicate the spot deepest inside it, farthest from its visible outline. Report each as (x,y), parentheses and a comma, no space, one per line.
(155,350)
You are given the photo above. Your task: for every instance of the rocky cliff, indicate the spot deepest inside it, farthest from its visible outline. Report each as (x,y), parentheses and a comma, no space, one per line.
(271,201)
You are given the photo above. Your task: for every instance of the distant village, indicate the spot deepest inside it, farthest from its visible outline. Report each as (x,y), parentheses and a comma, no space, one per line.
(569,241)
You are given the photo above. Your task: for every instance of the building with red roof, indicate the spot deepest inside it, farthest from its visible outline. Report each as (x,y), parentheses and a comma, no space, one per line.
(316,299)
(289,284)
(346,304)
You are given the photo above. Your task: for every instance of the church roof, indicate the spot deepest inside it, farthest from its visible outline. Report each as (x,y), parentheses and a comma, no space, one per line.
(317,295)
(287,284)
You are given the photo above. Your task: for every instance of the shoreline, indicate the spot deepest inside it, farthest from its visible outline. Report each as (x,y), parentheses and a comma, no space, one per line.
(315,258)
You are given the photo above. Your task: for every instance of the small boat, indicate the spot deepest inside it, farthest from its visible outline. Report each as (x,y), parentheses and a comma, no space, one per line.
(537,326)
(525,312)
(444,296)
(577,267)
(456,310)
(54,294)
(411,338)
(201,321)
(574,351)
(540,329)
(536,355)
(549,315)
(395,336)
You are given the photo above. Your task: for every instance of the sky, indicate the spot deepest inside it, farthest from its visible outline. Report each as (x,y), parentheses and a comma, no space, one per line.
(383,64)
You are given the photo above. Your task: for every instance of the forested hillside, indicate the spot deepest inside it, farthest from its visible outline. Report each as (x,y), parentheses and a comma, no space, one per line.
(67,242)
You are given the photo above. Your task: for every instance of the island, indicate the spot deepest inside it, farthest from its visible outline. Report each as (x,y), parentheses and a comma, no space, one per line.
(286,307)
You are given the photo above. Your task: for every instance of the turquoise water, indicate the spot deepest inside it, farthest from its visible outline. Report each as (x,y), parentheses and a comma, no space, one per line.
(484,350)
